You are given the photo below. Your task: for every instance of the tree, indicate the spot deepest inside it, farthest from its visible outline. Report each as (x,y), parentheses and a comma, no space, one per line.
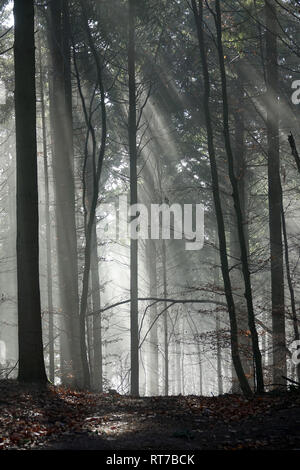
(97,324)
(275,221)
(63,170)
(31,359)
(132,131)
(90,212)
(198,15)
(238,208)
(153,340)
(47,221)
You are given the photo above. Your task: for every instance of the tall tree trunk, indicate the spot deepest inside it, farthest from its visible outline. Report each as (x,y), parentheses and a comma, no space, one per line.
(48,225)
(63,164)
(290,282)
(132,131)
(91,207)
(198,15)
(238,209)
(276,250)
(31,358)
(235,252)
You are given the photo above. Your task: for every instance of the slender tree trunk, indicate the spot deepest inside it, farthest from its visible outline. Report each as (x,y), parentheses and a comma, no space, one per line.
(97,327)
(238,209)
(31,358)
(178,363)
(89,337)
(292,294)
(276,250)
(198,14)
(290,282)
(218,326)
(265,343)
(63,164)
(235,252)
(11,277)
(90,211)
(219,356)
(132,131)
(165,318)
(64,341)
(194,330)
(48,224)
(153,346)
(182,361)
(200,370)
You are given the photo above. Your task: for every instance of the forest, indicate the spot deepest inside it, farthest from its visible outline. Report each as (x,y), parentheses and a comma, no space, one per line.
(149,225)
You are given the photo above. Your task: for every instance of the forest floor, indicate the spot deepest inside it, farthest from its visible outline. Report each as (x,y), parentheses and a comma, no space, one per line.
(58,419)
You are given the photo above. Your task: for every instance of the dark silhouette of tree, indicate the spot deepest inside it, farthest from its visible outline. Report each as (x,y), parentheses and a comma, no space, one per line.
(132,131)
(63,171)
(275,221)
(198,15)
(238,208)
(90,212)
(31,359)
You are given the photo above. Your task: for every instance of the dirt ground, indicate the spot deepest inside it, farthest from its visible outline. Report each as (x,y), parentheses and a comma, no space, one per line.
(61,419)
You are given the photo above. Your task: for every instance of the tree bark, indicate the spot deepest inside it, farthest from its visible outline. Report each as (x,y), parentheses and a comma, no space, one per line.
(48,226)
(132,131)
(238,209)
(166,326)
(235,252)
(291,288)
(90,206)
(290,282)
(218,326)
(275,225)
(97,320)
(153,346)
(63,165)
(31,359)
(198,15)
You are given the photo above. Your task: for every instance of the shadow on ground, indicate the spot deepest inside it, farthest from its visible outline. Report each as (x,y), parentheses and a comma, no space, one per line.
(62,419)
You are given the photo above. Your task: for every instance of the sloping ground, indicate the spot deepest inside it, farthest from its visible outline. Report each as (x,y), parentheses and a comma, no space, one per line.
(57,418)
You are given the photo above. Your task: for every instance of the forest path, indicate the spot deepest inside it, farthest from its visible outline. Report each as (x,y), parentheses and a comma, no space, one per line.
(59,418)
(273,430)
